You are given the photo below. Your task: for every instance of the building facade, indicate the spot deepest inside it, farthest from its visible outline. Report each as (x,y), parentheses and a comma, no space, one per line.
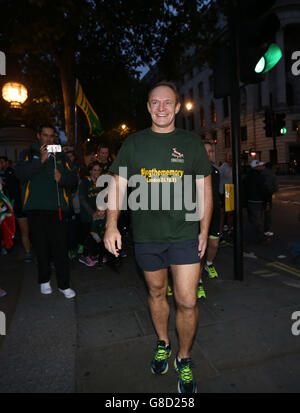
(13,140)
(210,118)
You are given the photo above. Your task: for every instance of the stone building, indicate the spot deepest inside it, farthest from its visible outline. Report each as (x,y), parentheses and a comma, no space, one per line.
(13,140)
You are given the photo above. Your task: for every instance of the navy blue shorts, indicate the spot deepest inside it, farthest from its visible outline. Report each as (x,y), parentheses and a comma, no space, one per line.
(153,256)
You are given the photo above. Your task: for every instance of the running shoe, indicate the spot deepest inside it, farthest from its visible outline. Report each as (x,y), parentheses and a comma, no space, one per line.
(159,364)
(201,292)
(72,255)
(68,292)
(87,261)
(212,273)
(186,382)
(169,291)
(46,288)
(3,293)
(28,257)
(80,249)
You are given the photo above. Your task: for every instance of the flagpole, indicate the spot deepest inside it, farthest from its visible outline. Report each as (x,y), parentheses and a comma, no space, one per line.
(75,117)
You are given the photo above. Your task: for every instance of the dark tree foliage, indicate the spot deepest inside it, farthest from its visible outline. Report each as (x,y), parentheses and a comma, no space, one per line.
(102,43)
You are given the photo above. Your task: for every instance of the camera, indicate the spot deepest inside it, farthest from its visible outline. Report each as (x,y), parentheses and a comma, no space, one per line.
(53,148)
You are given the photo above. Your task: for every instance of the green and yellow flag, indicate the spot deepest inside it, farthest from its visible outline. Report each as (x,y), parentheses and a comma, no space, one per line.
(84,104)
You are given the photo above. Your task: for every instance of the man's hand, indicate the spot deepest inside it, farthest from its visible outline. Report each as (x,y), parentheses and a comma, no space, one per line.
(111,237)
(57,175)
(202,238)
(43,153)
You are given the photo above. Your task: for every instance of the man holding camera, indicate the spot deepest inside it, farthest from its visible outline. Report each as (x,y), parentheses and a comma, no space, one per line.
(48,178)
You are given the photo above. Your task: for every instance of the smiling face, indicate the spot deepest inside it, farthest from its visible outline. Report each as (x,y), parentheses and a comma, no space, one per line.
(95,172)
(163,107)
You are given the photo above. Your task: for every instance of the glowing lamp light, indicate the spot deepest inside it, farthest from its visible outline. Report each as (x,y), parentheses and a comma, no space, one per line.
(123,126)
(189,106)
(14,93)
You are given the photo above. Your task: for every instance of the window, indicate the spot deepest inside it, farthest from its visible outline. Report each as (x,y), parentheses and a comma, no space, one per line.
(211,83)
(202,118)
(227,137)
(214,135)
(290,98)
(244,133)
(225,107)
(244,101)
(191,121)
(213,112)
(200,89)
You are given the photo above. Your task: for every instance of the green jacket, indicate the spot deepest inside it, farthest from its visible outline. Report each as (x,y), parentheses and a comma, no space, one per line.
(40,189)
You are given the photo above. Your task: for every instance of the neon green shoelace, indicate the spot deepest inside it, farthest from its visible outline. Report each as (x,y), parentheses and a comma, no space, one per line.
(161,354)
(186,374)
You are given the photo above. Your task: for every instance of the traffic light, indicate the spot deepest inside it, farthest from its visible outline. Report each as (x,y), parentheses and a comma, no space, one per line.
(252,153)
(280,124)
(258,53)
(269,122)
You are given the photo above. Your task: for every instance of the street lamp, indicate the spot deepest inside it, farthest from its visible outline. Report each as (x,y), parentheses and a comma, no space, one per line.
(124,126)
(14,93)
(189,106)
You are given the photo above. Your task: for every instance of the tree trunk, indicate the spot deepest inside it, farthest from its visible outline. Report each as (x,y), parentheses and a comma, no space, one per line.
(66,64)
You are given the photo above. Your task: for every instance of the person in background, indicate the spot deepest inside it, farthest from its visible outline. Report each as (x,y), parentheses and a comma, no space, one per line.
(49,177)
(271,185)
(214,229)
(103,157)
(226,178)
(12,189)
(89,213)
(257,198)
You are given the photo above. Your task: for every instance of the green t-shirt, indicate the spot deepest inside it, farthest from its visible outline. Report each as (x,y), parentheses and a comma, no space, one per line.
(162,161)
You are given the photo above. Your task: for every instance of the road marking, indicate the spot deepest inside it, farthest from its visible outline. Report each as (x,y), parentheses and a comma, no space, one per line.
(259,272)
(265,273)
(295,284)
(284,267)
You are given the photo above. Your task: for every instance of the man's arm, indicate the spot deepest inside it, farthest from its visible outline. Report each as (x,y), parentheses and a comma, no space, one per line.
(116,196)
(26,167)
(205,205)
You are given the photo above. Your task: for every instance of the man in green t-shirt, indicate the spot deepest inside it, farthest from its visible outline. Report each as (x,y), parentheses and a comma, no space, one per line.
(170,166)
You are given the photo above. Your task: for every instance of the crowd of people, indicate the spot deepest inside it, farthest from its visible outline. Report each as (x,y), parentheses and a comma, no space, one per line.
(52,198)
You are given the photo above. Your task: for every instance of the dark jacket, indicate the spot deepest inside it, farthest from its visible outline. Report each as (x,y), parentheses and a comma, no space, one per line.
(270,181)
(40,189)
(254,186)
(215,180)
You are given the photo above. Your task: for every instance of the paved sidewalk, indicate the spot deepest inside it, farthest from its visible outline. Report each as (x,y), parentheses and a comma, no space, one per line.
(103,340)
(243,344)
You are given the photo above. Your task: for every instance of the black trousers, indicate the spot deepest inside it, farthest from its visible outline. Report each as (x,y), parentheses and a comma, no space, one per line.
(50,241)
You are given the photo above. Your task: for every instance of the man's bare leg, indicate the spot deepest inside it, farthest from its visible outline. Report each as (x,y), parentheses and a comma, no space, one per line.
(157,282)
(186,279)
(212,249)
